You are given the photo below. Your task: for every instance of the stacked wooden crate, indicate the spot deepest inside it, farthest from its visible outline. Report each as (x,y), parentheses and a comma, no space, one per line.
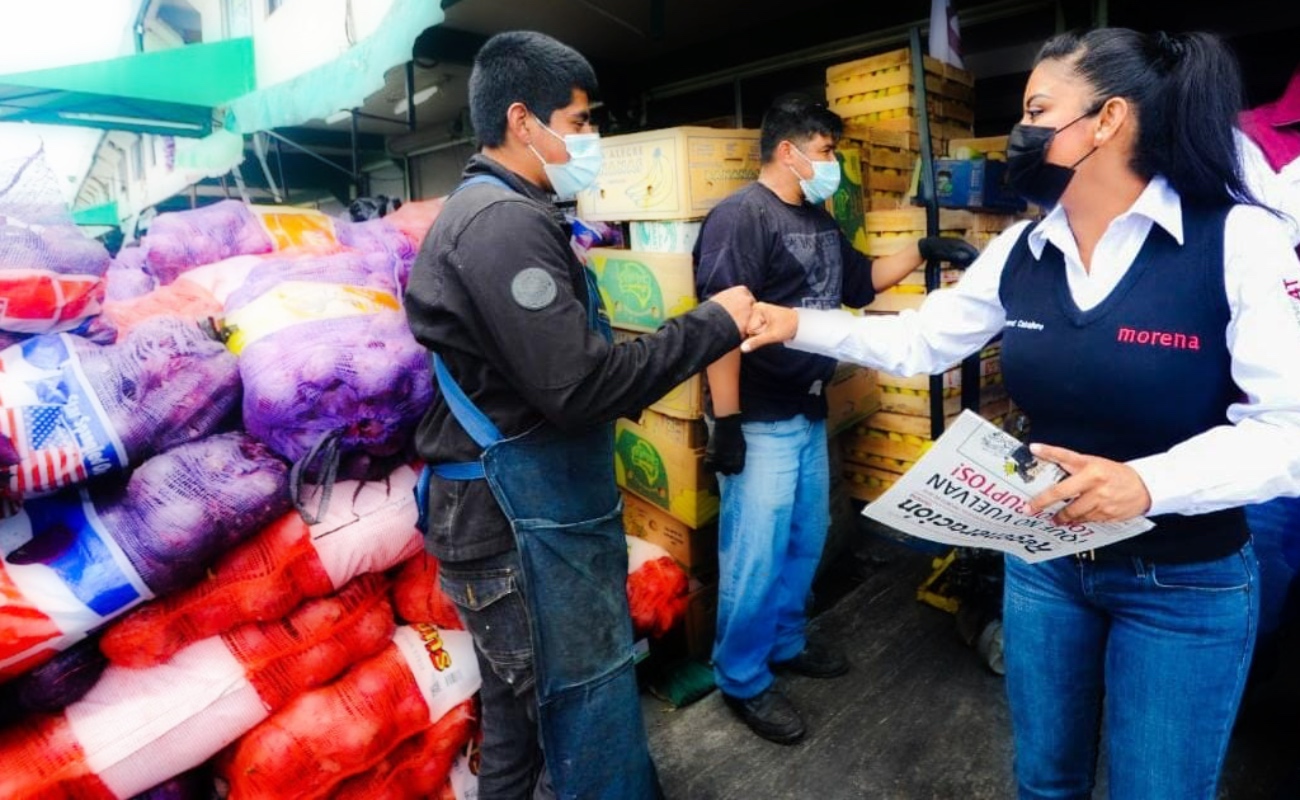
(876,97)
(887,444)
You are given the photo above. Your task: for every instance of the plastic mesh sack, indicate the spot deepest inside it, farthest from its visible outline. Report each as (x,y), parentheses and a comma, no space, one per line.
(126,277)
(51,274)
(418,595)
(138,728)
(418,767)
(657,588)
(275,570)
(54,685)
(348,727)
(75,560)
(380,236)
(178,241)
(326,357)
(181,299)
(71,410)
(416,218)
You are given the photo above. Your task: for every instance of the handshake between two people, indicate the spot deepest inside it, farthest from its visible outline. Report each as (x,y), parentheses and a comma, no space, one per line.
(759,323)
(763,324)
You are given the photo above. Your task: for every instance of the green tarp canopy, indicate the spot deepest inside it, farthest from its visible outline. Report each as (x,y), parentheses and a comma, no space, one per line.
(168,92)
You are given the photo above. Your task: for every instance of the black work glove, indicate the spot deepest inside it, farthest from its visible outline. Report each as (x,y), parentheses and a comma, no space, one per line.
(958,252)
(726,450)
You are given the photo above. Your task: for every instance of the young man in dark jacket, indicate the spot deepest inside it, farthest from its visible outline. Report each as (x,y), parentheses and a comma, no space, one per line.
(521,503)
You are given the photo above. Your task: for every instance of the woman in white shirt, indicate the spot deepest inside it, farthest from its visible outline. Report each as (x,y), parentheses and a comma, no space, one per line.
(1149,328)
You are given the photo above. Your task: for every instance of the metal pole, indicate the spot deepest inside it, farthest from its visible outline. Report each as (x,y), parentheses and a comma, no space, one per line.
(356,158)
(740,111)
(410,95)
(408,167)
(281,137)
(929,198)
(279,167)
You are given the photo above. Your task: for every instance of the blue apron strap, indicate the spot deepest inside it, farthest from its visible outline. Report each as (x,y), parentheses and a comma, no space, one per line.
(474,421)
(481,179)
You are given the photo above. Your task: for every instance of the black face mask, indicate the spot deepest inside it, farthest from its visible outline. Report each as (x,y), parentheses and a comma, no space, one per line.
(1028,172)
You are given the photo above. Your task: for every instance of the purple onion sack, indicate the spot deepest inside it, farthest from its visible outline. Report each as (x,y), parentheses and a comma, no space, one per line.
(379,236)
(178,241)
(182,509)
(168,382)
(361,378)
(126,276)
(54,685)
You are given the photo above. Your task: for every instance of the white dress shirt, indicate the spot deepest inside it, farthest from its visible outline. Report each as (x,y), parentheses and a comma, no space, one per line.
(1255,458)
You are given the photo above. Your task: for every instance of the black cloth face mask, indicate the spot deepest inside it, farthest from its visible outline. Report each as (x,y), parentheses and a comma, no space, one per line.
(1029,173)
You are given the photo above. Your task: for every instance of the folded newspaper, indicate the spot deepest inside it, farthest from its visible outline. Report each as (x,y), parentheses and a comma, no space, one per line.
(971,489)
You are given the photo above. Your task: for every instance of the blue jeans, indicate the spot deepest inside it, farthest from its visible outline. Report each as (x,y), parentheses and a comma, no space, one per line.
(487,594)
(774,518)
(1167,645)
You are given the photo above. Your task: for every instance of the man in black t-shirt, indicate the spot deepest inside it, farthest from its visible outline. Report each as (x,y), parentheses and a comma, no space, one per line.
(768,433)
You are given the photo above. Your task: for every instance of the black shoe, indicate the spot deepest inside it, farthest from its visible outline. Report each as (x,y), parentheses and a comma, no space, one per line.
(769,714)
(816,660)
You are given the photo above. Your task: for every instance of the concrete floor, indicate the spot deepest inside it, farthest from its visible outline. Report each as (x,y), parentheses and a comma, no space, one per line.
(919,717)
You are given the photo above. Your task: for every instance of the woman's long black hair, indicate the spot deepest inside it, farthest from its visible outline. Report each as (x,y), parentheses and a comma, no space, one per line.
(1187,92)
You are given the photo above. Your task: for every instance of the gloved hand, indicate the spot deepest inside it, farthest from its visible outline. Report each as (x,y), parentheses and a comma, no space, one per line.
(958,252)
(726,450)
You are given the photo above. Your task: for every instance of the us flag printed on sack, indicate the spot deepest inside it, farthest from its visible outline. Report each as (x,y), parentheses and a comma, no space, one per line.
(55,425)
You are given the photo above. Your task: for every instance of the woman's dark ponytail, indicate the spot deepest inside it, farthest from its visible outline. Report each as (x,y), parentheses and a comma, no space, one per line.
(1187,92)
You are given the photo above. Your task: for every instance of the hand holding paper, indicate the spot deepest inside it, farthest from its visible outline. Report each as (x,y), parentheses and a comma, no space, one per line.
(1103,490)
(978,486)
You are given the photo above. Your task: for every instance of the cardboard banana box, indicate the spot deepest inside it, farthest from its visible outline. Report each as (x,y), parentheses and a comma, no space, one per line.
(670,174)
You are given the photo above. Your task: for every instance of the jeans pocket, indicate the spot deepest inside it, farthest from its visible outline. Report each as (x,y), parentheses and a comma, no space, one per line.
(1227,574)
(493,609)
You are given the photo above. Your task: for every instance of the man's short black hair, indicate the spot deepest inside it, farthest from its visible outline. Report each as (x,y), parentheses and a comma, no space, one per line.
(523,67)
(798,118)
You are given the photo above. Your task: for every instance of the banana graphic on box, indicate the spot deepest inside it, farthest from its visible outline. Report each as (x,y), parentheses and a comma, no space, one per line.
(655,186)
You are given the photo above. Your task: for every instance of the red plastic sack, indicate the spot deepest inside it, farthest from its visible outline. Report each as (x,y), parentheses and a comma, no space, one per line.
(275,570)
(418,596)
(140,727)
(656,589)
(347,728)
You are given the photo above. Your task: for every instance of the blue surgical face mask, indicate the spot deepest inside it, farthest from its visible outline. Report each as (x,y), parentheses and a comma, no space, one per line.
(580,171)
(825,179)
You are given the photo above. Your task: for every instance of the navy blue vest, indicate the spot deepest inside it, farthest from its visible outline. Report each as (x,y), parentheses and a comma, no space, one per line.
(1145,369)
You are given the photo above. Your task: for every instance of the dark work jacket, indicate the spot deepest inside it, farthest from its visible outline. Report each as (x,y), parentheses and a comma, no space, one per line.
(521,360)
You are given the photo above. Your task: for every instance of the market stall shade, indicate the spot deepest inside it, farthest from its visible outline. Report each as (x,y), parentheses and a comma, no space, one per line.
(170,92)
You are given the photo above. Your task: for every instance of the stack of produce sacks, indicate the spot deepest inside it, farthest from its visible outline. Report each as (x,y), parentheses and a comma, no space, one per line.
(166,614)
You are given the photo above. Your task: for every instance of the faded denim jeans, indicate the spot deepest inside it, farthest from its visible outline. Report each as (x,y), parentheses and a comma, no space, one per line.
(1168,647)
(772,528)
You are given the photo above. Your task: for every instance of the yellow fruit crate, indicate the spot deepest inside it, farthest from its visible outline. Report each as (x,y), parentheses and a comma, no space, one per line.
(895,62)
(918,404)
(876,157)
(976,147)
(886,179)
(912,221)
(890,82)
(887,201)
(890,444)
(888,107)
(867,483)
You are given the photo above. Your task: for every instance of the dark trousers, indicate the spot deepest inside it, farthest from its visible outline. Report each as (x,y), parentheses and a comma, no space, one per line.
(488,594)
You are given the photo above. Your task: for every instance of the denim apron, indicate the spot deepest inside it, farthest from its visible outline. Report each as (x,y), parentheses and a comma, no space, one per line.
(559,494)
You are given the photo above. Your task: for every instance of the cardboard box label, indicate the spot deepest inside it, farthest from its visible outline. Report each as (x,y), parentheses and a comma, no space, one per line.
(641,290)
